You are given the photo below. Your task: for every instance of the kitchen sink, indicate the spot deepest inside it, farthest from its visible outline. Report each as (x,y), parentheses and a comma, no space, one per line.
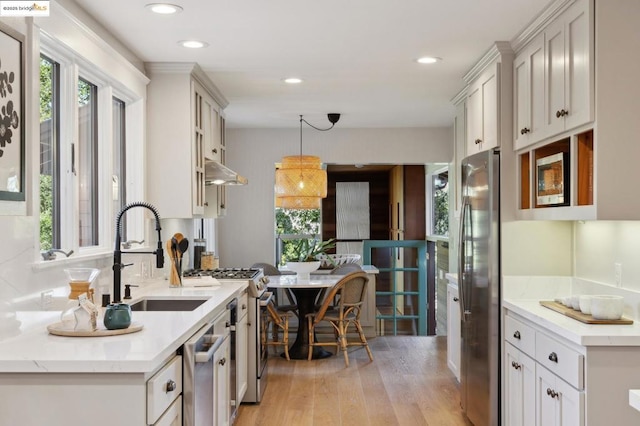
(149,304)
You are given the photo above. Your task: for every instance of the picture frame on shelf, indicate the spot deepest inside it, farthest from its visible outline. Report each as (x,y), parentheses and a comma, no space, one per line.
(12,134)
(552,180)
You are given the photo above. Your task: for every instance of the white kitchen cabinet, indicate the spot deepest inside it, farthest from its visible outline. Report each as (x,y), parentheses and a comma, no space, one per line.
(569,78)
(482,111)
(183,130)
(242,345)
(221,378)
(453,330)
(528,93)
(173,415)
(489,99)
(163,389)
(520,388)
(557,402)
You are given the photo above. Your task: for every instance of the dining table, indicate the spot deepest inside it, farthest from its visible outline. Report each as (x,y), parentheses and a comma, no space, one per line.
(306,291)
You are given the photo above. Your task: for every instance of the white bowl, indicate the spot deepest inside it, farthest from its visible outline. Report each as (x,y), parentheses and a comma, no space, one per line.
(585,304)
(575,302)
(607,307)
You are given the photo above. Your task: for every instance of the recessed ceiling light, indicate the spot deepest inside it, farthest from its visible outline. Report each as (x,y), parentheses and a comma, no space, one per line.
(193,44)
(293,80)
(428,60)
(164,8)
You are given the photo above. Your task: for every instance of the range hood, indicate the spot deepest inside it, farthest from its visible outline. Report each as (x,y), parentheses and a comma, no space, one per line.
(219,174)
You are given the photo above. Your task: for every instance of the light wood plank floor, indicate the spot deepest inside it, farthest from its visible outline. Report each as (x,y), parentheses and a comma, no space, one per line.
(408,383)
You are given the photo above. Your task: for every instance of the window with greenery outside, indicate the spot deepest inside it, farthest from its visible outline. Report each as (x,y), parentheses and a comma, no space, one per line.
(295,223)
(441,204)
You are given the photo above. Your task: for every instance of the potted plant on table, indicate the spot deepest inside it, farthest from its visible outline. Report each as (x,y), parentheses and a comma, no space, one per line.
(304,257)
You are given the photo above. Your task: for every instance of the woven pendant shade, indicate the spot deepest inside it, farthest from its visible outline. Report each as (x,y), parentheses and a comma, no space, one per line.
(301,176)
(301,182)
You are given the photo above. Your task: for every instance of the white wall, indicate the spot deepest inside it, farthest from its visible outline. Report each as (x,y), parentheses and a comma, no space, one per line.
(599,245)
(246,235)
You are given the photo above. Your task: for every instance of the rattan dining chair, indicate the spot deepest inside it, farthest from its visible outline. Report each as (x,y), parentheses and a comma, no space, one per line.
(351,290)
(345,269)
(277,320)
(269,269)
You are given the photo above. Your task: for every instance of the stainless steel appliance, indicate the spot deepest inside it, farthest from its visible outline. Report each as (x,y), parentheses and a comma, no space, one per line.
(479,287)
(232,307)
(257,370)
(199,370)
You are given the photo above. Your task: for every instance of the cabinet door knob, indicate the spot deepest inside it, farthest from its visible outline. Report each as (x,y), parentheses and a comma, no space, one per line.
(552,393)
(516,335)
(223,361)
(553,357)
(170,386)
(524,131)
(558,114)
(244,307)
(206,204)
(214,150)
(477,141)
(515,365)
(455,299)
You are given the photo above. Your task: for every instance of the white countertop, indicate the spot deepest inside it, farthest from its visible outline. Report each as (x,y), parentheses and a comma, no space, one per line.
(292,281)
(31,349)
(574,330)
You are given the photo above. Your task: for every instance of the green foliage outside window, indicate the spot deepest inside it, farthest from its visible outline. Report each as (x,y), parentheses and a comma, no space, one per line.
(296,222)
(441,204)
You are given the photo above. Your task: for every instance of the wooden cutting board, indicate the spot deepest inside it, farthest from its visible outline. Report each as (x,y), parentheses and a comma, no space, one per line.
(577,315)
(59,329)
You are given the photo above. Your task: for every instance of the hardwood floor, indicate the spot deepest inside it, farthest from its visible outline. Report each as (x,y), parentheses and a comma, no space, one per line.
(408,383)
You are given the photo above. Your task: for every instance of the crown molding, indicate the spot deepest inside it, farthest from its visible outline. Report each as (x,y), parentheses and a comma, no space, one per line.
(460,96)
(498,50)
(539,22)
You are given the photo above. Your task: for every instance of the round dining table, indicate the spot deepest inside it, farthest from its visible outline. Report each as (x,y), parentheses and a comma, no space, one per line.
(306,292)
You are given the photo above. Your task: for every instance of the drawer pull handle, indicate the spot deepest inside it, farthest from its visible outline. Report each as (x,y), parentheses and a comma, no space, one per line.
(455,299)
(552,393)
(223,361)
(553,357)
(515,365)
(171,386)
(516,335)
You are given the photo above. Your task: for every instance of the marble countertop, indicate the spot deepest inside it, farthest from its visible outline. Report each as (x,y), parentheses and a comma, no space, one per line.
(634,398)
(292,281)
(31,349)
(574,330)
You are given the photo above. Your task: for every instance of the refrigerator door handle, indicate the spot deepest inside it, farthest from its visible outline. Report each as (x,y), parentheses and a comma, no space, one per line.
(461,259)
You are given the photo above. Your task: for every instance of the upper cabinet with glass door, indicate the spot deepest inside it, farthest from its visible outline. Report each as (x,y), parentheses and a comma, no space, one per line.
(183,132)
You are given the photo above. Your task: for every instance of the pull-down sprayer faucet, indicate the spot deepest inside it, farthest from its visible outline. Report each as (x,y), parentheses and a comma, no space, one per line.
(117,253)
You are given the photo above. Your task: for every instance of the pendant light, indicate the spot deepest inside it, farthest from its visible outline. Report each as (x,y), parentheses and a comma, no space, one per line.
(301,181)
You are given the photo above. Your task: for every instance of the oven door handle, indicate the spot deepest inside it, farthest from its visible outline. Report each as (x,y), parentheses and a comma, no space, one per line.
(204,357)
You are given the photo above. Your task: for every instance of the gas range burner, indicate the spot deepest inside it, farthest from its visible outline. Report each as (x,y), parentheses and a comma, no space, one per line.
(224,273)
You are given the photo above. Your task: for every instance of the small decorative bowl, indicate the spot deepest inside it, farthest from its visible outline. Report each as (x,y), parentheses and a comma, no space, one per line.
(607,307)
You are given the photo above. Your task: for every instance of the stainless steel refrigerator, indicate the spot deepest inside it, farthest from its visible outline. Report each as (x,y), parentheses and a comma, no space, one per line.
(479,288)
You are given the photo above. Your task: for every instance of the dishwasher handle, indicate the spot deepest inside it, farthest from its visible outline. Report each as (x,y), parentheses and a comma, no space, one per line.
(205,356)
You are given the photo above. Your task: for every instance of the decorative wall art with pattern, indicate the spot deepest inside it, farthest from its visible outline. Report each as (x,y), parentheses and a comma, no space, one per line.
(12,144)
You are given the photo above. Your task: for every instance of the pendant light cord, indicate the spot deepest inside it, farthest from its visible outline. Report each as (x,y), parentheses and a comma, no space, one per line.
(311,125)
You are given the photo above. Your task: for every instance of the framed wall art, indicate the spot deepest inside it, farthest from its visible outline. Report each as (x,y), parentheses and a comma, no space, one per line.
(12,143)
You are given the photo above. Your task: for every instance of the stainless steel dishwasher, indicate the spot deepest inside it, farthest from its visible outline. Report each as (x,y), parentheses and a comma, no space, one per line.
(198,375)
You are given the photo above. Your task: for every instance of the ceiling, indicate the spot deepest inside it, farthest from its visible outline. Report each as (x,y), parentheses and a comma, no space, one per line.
(356,57)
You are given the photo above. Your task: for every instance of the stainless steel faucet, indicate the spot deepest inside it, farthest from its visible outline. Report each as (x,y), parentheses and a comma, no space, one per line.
(117,253)
(51,253)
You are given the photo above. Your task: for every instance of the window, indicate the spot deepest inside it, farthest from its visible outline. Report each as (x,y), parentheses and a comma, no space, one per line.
(87,163)
(49,154)
(118,179)
(440,203)
(294,225)
(83,156)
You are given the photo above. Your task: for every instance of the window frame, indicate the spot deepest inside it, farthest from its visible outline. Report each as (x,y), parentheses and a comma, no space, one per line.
(72,67)
(430,210)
